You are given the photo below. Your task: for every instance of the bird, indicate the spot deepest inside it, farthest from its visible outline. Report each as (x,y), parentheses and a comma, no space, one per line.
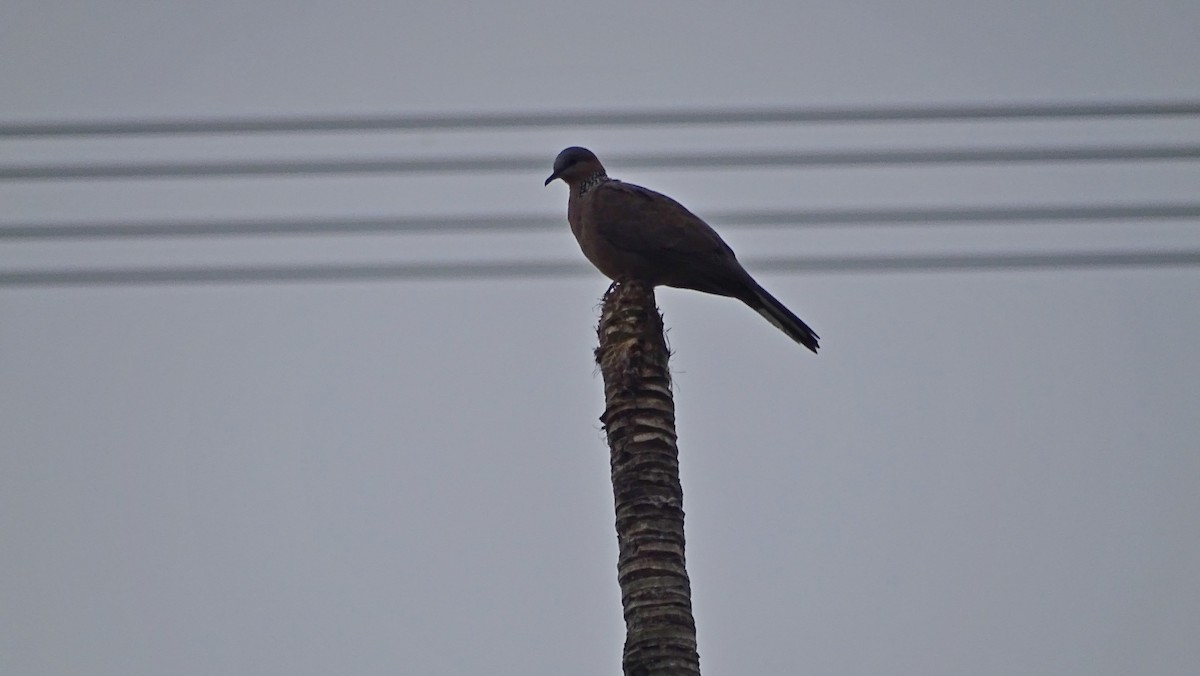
(633,233)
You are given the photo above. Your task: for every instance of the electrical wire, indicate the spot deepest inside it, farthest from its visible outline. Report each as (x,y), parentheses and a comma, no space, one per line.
(334,225)
(609,118)
(741,160)
(535,269)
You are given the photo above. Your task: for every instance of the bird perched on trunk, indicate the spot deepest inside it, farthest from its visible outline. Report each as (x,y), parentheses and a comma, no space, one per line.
(629,232)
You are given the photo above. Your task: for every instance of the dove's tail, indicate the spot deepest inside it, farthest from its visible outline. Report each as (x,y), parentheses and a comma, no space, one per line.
(783,319)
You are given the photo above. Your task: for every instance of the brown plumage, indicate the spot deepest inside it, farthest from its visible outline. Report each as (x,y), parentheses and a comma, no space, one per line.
(629,232)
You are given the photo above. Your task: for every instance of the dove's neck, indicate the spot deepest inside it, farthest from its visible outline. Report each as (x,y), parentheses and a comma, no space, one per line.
(591,182)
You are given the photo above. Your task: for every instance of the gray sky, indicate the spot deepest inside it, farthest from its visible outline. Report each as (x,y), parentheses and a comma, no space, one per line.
(982,473)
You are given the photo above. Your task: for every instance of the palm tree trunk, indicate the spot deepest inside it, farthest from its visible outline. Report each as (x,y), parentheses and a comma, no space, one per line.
(639,419)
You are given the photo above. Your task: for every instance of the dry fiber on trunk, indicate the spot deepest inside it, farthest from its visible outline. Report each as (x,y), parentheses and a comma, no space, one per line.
(639,419)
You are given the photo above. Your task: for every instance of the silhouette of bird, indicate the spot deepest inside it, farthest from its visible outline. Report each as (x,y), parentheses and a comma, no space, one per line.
(631,233)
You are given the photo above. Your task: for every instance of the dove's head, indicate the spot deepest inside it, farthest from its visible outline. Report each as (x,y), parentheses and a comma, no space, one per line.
(574,165)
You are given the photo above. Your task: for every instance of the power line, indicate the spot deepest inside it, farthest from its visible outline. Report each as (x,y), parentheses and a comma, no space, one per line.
(543,222)
(762,160)
(532,269)
(577,118)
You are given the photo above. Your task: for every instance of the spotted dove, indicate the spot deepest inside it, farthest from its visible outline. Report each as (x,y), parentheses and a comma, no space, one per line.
(629,232)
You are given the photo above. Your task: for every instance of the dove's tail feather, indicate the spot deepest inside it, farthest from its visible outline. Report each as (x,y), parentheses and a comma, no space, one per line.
(783,319)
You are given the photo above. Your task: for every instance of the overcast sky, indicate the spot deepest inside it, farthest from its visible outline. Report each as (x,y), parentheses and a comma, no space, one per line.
(983,472)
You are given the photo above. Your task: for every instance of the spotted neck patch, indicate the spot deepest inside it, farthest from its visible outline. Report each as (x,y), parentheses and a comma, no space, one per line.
(591,182)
